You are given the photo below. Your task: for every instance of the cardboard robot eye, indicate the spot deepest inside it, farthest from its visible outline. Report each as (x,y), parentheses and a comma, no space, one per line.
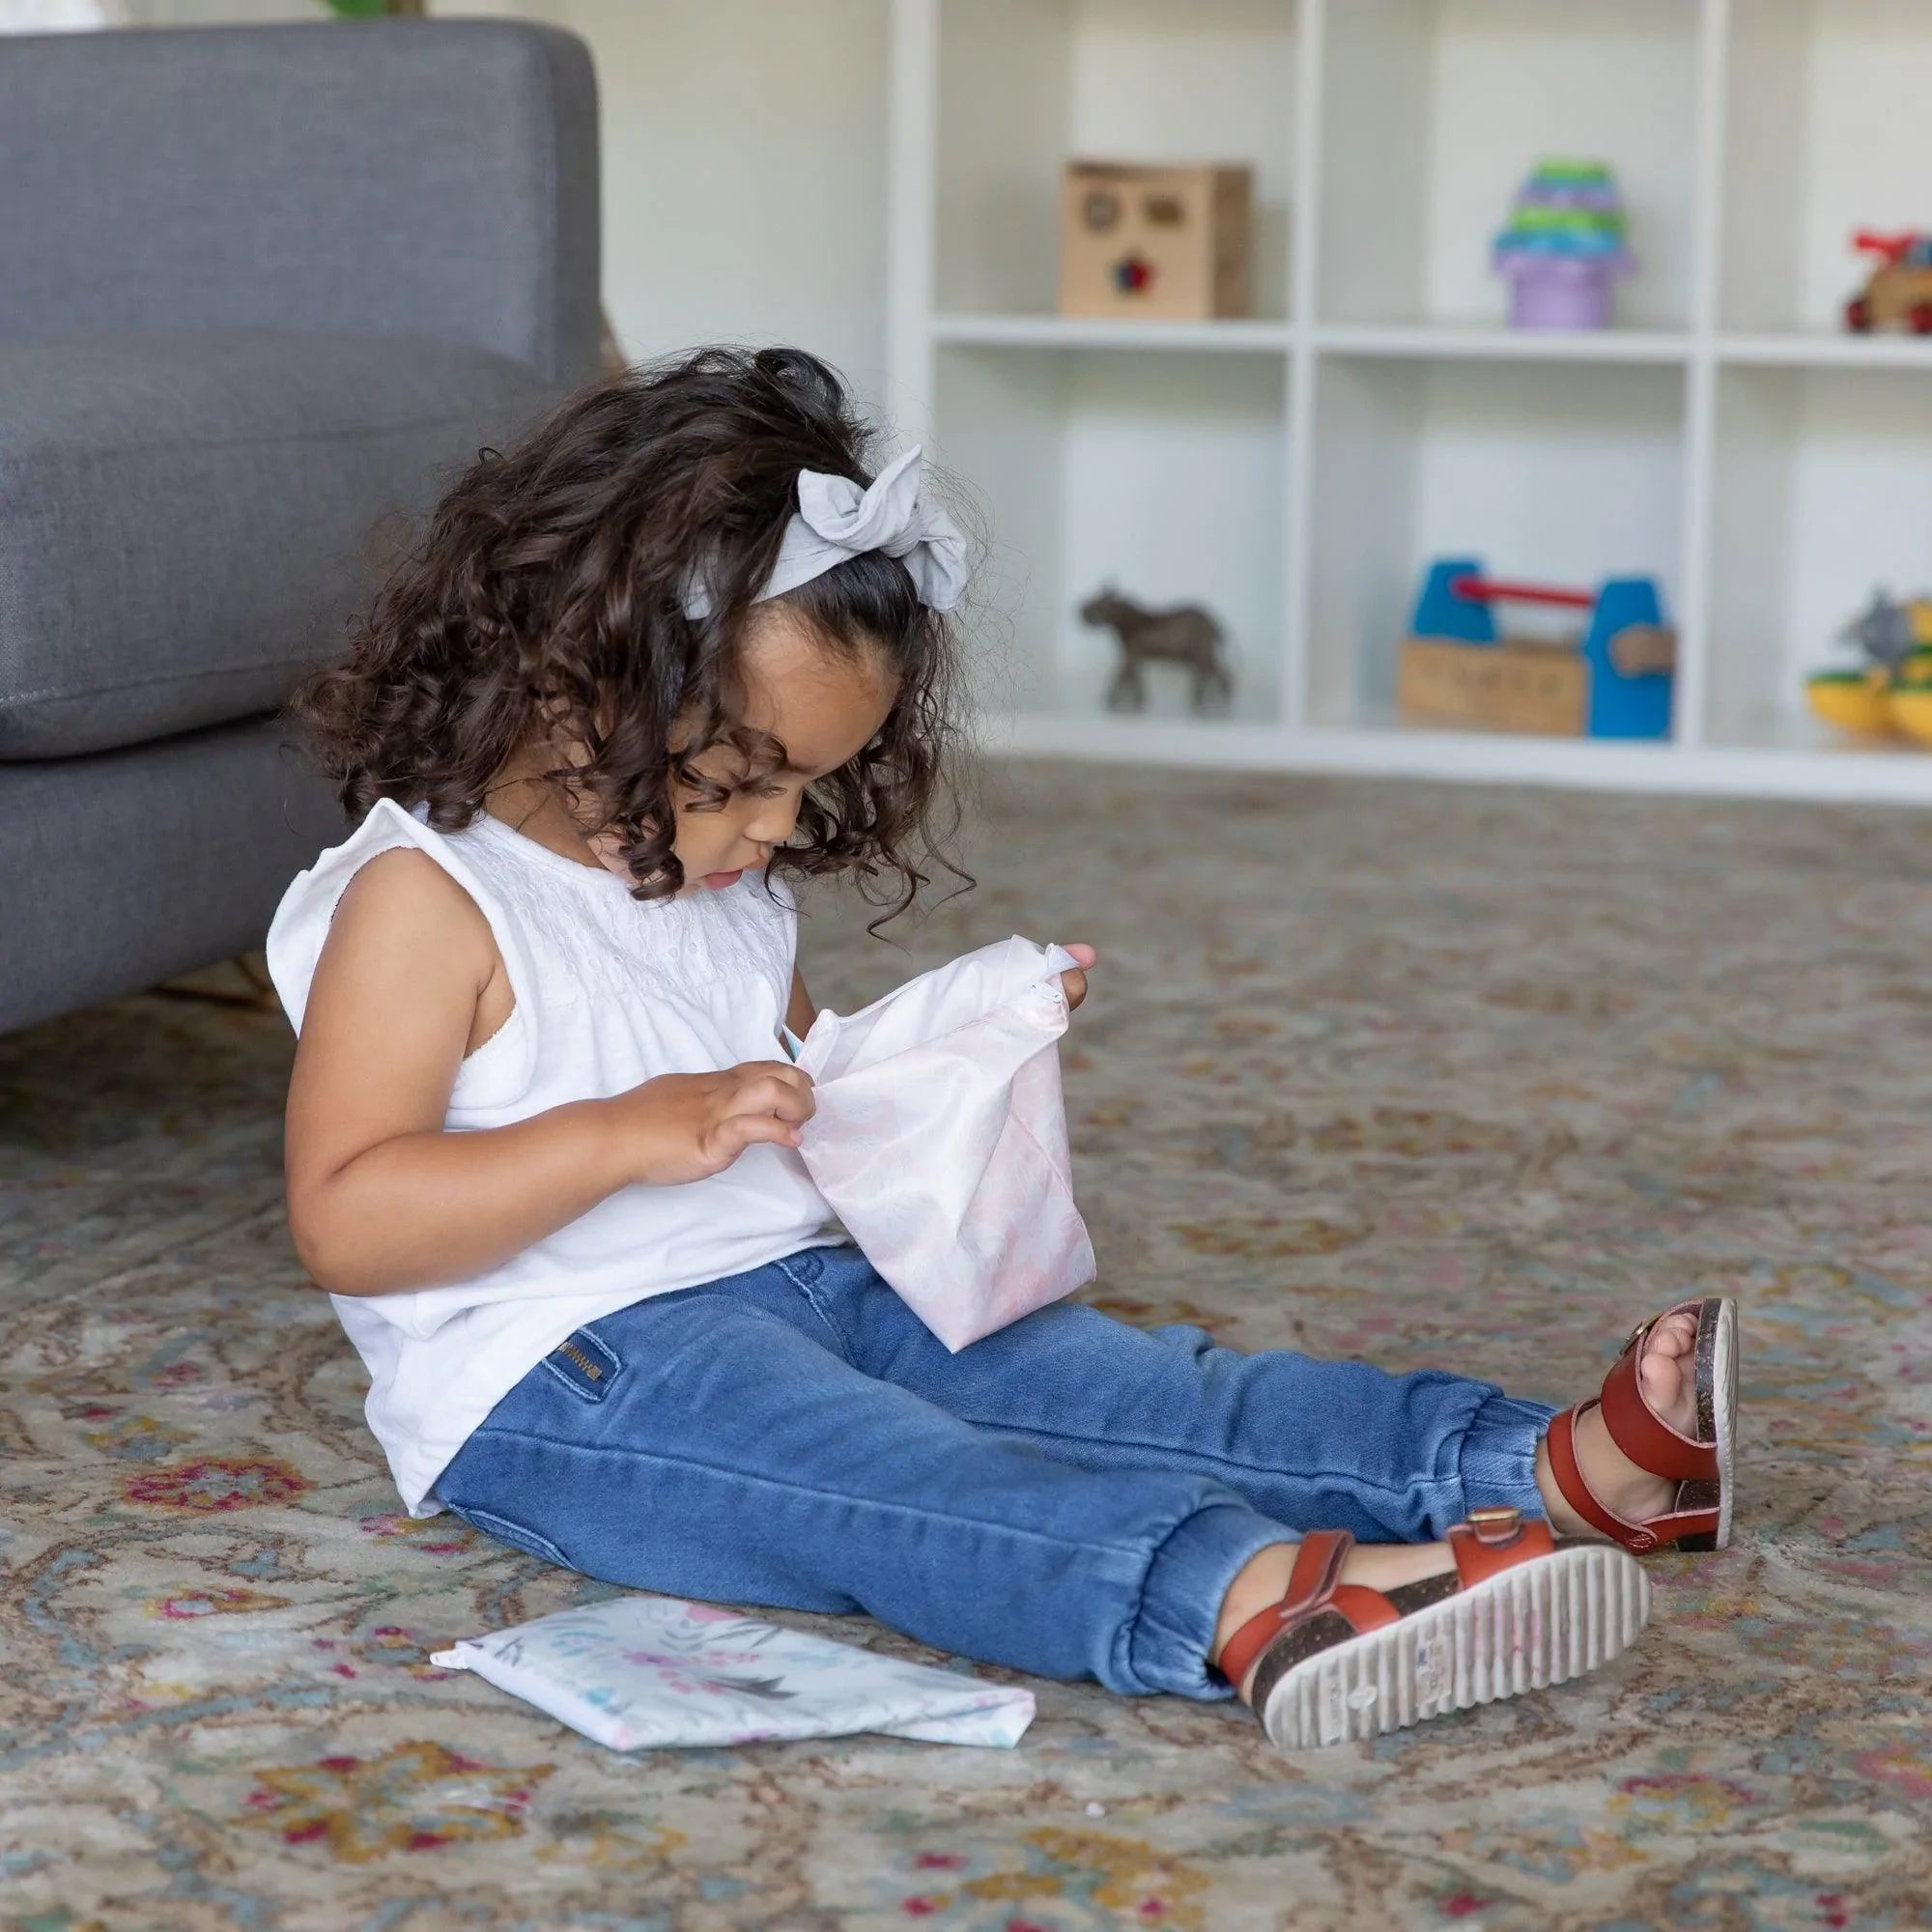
(1101,210)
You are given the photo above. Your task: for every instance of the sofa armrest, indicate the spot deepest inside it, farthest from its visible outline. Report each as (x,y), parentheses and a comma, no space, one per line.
(423,178)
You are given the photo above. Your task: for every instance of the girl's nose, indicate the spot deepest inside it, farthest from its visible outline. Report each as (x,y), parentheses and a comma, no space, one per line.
(773,821)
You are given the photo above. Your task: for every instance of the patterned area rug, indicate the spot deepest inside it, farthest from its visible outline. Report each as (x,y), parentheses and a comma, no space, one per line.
(1423,1075)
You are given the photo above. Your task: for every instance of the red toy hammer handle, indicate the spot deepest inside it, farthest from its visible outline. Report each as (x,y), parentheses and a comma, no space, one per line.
(1870,241)
(1488,591)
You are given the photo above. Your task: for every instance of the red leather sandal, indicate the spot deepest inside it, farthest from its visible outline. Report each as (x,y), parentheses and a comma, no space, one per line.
(1699,1516)
(1523,1608)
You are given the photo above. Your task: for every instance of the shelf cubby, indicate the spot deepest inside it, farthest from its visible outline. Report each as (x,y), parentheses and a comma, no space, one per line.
(1443,105)
(1086,468)
(1822,493)
(1825,133)
(1564,474)
(1024,85)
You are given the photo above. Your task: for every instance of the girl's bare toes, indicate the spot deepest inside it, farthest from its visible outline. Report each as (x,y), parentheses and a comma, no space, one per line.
(1667,1372)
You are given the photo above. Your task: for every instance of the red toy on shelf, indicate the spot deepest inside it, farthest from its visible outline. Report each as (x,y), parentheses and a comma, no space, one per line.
(1897,295)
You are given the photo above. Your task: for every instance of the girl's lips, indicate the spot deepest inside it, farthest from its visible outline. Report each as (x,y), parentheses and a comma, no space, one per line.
(717,881)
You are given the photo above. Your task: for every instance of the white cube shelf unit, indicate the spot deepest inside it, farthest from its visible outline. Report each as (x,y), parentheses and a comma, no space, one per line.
(1295,470)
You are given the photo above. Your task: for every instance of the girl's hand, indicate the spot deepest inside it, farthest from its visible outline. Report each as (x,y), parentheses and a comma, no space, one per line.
(688,1126)
(1074,985)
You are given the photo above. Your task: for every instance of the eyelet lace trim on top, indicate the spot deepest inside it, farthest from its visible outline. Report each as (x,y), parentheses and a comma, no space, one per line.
(596,937)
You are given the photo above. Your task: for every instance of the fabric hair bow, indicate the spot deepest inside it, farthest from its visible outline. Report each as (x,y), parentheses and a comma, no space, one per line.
(837,520)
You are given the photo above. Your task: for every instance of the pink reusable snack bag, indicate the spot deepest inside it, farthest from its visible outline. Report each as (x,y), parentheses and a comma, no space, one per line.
(940,1139)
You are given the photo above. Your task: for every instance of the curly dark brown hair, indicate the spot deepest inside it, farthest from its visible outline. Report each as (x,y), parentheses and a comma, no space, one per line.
(546,599)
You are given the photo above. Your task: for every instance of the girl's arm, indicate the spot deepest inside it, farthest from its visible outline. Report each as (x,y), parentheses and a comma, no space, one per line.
(382,1199)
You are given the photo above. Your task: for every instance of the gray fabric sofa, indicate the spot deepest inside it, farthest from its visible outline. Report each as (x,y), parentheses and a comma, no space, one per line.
(261,290)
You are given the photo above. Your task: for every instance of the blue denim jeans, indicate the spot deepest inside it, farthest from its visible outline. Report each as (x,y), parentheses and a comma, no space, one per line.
(1070,1496)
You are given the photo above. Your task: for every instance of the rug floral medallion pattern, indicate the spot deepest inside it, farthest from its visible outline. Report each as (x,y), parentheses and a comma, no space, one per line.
(1421,1075)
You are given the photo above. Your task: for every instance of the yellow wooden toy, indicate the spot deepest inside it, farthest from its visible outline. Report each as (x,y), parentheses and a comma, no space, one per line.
(1859,701)
(1891,693)
(1910,708)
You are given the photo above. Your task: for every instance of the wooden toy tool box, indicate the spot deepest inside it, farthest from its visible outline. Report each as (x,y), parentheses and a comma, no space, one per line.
(1613,681)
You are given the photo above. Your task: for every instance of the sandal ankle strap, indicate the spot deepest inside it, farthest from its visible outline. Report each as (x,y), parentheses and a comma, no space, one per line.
(1311,1584)
(1561,1443)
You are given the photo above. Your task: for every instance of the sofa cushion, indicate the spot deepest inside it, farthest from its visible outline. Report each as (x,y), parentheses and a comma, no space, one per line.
(188,521)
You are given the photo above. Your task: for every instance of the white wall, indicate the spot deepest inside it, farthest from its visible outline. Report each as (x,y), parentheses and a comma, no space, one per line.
(744,172)
(743,163)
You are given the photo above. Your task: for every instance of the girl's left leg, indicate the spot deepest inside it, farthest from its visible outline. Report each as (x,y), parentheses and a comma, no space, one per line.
(1310,1444)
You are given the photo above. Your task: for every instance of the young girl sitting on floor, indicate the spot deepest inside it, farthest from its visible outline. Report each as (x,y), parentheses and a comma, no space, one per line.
(676,648)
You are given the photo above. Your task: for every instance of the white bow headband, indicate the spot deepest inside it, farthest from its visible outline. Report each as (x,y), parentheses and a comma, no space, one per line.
(837,520)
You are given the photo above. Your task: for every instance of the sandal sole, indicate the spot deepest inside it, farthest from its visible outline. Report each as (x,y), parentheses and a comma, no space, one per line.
(1724,1386)
(1717,1360)
(1541,1623)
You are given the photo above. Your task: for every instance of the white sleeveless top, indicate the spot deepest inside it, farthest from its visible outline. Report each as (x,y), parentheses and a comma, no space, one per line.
(609,993)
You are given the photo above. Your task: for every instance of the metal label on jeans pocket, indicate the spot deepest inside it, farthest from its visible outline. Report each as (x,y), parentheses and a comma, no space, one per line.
(584,1365)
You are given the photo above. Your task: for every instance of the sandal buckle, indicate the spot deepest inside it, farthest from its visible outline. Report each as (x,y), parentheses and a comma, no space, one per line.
(1495,1525)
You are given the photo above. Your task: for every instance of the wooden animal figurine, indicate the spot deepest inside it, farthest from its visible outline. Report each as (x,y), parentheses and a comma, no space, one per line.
(1186,636)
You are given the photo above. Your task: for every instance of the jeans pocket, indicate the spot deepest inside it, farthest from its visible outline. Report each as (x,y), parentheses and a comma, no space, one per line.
(516,1535)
